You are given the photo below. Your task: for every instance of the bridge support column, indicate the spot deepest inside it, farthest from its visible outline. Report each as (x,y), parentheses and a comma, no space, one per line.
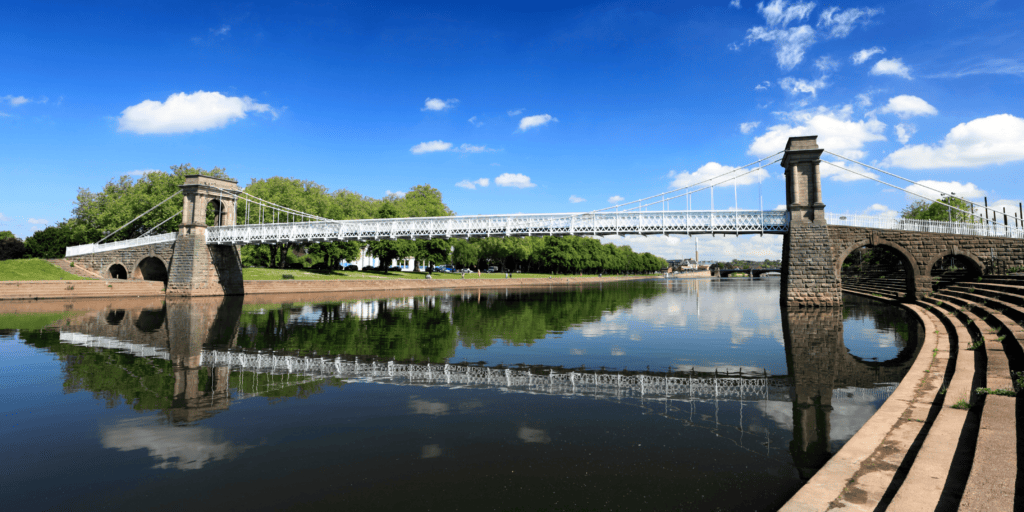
(198,269)
(808,272)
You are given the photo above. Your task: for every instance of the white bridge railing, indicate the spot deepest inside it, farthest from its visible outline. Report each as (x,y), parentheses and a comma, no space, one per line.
(924,226)
(560,224)
(80,250)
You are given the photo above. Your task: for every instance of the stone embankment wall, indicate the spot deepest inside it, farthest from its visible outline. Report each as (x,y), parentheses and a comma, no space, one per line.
(78,289)
(13,290)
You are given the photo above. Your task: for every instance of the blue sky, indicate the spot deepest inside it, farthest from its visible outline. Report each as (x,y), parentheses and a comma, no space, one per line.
(513,107)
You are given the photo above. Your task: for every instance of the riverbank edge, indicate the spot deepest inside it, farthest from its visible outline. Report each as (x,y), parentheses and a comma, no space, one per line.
(826,488)
(42,290)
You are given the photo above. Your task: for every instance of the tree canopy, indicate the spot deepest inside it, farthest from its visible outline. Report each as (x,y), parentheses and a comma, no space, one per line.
(940,210)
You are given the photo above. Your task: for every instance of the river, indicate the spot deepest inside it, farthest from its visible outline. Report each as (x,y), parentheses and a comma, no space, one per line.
(659,394)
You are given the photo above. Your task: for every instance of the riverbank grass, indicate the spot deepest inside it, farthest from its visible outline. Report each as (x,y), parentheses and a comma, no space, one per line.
(33,269)
(276,274)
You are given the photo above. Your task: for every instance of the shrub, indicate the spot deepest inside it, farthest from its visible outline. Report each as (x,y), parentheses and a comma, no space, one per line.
(11,248)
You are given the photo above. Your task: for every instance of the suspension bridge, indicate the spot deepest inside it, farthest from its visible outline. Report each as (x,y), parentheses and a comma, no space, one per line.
(201,259)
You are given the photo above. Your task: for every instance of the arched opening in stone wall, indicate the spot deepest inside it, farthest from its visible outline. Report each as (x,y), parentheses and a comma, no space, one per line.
(214,213)
(151,320)
(877,270)
(151,269)
(114,317)
(953,268)
(117,271)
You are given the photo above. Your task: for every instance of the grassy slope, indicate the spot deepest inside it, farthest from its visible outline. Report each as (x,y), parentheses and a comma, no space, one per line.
(33,270)
(34,321)
(273,274)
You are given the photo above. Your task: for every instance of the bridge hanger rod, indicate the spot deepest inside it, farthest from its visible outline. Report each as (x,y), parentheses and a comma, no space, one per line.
(692,185)
(139,217)
(162,222)
(907,180)
(714,184)
(900,188)
(264,202)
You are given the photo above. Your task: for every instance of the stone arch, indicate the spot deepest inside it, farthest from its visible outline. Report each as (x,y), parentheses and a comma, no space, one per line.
(117,271)
(216,208)
(151,268)
(913,269)
(978,265)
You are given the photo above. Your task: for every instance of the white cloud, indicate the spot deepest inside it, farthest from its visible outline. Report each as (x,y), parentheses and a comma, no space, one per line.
(906,106)
(516,112)
(891,67)
(396,194)
(1012,207)
(748,127)
(483,182)
(576,199)
(534,121)
(4,218)
(141,172)
(790,44)
(989,67)
(713,169)
(38,221)
(841,23)
(171,447)
(989,140)
(826,64)
(969,190)
(881,210)
(222,31)
(904,132)
(495,164)
(762,86)
(16,100)
(799,85)
(862,56)
(781,13)
(430,147)
(184,113)
(780,208)
(473,121)
(438,104)
(717,248)
(616,199)
(514,180)
(469,148)
(734,3)
(864,100)
(836,131)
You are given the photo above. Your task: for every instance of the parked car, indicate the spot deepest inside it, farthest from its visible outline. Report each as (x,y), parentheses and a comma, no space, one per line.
(395,268)
(491,270)
(352,268)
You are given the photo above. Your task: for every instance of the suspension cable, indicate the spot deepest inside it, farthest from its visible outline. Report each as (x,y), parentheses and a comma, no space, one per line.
(904,179)
(688,186)
(972,214)
(162,222)
(688,193)
(139,217)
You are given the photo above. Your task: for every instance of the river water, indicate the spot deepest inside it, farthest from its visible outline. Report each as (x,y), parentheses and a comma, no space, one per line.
(659,394)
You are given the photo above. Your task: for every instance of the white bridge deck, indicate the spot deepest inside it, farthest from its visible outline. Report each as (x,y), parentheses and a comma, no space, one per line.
(518,225)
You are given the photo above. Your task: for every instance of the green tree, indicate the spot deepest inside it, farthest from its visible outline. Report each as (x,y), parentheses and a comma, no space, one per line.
(940,210)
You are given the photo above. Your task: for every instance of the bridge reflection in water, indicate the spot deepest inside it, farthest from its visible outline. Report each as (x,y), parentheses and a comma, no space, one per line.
(199,339)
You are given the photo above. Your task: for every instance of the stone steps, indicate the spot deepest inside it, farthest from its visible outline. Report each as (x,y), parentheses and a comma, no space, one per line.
(937,474)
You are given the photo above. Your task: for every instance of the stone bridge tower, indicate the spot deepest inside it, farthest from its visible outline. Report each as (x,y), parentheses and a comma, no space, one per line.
(808,272)
(198,269)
